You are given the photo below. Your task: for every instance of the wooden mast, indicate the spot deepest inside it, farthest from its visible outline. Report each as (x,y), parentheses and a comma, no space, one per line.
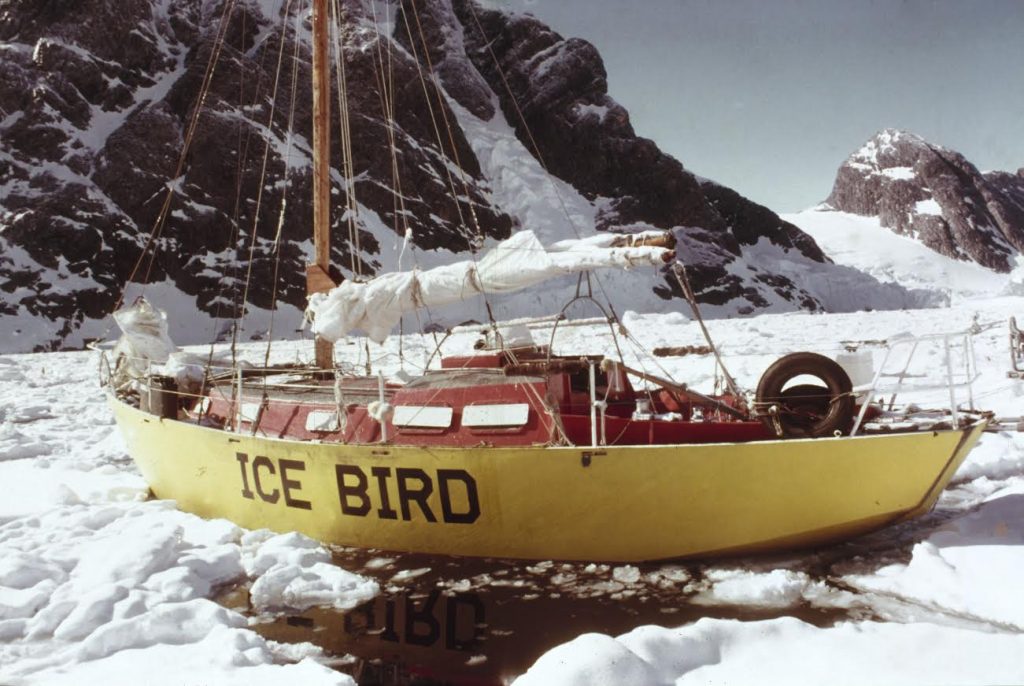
(318,278)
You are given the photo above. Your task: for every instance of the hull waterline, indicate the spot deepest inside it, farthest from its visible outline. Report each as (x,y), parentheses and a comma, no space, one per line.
(631,503)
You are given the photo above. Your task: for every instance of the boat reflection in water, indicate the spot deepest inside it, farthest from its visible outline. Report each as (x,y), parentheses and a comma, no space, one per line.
(473,622)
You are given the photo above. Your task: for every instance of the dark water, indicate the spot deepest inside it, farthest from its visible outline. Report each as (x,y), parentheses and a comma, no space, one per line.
(475,622)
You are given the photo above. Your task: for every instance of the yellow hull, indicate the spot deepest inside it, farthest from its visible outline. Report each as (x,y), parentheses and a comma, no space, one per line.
(609,504)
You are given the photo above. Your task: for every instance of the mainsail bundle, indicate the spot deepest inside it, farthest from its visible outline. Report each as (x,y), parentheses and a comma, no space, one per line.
(376,306)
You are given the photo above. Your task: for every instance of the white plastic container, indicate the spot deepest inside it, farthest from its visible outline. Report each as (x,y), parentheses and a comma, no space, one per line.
(859,366)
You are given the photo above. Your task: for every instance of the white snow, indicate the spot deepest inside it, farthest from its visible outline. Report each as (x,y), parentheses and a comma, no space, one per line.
(782,651)
(953,608)
(584,111)
(959,565)
(98,585)
(899,173)
(863,243)
(778,588)
(929,206)
(882,142)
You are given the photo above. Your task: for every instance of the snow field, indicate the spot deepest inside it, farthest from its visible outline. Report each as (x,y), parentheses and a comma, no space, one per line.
(97,584)
(863,243)
(946,586)
(781,651)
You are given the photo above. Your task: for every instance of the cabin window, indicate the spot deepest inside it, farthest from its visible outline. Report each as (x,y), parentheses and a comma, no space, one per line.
(422,417)
(250,412)
(496,416)
(321,421)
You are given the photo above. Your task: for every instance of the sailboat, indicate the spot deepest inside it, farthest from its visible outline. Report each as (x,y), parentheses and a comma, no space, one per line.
(515,451)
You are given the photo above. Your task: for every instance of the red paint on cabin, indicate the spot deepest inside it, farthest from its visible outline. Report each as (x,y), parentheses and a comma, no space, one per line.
(481,380)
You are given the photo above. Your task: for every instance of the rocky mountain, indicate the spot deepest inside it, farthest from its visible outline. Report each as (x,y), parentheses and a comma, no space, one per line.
(935,195)
(168,143)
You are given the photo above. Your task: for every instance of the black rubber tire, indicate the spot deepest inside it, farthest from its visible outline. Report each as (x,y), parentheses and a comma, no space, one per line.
(805,410)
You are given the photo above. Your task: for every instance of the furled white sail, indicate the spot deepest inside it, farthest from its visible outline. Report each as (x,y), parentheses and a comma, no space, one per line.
(376,306)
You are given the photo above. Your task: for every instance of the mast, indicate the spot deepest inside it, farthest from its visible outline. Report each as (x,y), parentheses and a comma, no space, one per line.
(318,274)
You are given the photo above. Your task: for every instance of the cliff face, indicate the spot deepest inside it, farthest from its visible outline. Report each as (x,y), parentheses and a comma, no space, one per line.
(466,124)
(554,92)
(98,98)
(935,195)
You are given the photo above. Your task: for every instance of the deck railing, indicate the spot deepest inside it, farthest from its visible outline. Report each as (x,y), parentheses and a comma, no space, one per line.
(898,380)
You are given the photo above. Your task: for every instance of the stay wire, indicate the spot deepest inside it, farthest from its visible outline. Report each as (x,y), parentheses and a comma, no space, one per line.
(386,89)
(679,271)
(448,127)
(441,147)
(533,143)
(263,170)
(186,145)
(437,129)
(347,155)
(245,136)
(439,91)
(284,189)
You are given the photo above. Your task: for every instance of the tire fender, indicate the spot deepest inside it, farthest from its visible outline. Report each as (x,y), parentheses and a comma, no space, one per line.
(795,411)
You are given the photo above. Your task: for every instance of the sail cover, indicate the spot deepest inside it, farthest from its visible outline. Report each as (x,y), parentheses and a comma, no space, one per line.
(376,306)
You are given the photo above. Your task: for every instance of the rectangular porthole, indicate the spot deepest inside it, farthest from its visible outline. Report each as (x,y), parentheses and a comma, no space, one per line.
(422,417)
(250,411)
(321,421)
(496,416)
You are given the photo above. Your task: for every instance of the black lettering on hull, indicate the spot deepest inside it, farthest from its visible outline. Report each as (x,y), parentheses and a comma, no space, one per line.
(414,487)
(265,478)
(358,491)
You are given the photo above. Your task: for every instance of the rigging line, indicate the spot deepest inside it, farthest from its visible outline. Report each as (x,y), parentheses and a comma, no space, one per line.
(219,42)
(386,89)
(519,112)
(639,346)
(396,174)
(679,271)
(240,157)
(263,169)
(447,124)
(347,155)
(645,354)
(284,190)
(238,174)
(245,135)
(190,132)
(437,129)
(533,141)
(241,154)
(463,228)
(349,149)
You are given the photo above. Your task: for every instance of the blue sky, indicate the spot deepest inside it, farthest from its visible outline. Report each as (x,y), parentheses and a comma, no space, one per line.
(770,96)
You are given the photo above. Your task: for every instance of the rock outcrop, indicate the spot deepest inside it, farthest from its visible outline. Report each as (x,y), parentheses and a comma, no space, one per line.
(935,195)
(554,92)
(98,98)
(97,103)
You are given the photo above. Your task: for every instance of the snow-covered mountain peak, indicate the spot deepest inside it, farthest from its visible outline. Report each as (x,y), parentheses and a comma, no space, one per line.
(935,195)
(483,121)
(883,145)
